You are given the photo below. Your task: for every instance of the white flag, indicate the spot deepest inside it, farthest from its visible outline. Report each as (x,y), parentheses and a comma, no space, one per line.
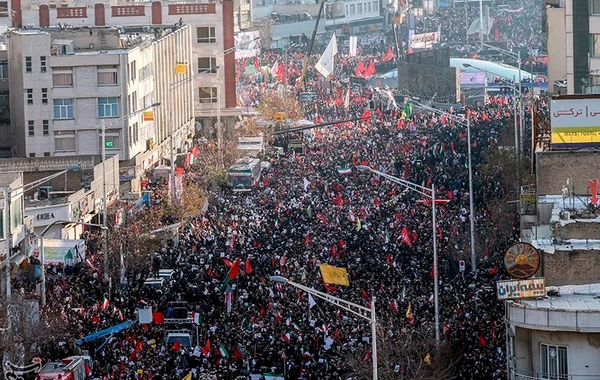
(145,315)
(275,68)
(353,46)
(347,99)
(326,62)
(306,184)
(311,301)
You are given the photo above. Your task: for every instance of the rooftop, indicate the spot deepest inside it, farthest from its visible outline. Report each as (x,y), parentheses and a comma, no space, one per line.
(571,298)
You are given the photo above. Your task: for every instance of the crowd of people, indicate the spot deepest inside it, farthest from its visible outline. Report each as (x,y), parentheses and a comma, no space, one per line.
(316,207)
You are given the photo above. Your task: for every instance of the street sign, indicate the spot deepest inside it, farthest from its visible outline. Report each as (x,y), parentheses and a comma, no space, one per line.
(108,144)
(148,115)
(181,68)
(462,265)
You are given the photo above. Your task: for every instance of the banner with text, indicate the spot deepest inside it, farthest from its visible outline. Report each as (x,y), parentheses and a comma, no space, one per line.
(575,123)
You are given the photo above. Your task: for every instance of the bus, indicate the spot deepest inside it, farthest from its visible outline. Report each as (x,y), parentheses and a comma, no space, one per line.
(244,174)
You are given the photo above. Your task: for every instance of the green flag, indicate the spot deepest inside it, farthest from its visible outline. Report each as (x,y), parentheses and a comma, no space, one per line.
(309,211)
(408,109)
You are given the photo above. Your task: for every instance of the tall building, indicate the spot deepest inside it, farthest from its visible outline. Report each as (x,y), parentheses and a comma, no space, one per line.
(212,32)
(573,30)
(67,85)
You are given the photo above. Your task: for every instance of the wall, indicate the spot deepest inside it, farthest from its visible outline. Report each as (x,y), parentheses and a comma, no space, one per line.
(571,267)
(557,46)
(554,167)
(583,350)
(432,82)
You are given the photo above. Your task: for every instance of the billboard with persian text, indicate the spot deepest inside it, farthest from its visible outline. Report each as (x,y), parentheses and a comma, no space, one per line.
(575,123)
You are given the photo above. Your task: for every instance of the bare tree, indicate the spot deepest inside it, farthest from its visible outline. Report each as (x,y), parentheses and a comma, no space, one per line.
(405,354)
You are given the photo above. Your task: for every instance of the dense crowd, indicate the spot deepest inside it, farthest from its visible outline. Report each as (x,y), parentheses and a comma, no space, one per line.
(311,208)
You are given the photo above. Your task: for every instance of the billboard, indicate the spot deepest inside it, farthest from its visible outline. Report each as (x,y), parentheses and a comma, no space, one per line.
(423,40)
(515,289)
(247,44)
(473,78)
(575,123)
(60,251)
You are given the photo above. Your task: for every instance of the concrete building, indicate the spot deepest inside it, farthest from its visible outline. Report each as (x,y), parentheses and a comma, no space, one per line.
(212,26)
(69,83)
(573,30)
(558,336)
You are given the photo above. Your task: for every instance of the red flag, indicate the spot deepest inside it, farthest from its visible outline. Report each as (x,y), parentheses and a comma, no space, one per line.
(594,191)
(363,294)
(96,319)
(406,237)
(256,63)
(235,269)
(366,116)
(331,289)
(475,56)
(378,112)
(206,349)
(360,70)
(370,70)
(158,318)
(482,341)
(228,264)
(237,355)
(176,346)
(248,267)
(388,56)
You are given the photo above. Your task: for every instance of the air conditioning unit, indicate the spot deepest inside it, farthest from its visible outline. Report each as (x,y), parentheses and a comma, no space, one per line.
(44,192)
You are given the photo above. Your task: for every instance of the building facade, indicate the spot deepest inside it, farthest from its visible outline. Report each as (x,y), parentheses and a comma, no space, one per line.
(213,25)
(70,84)
(573,46)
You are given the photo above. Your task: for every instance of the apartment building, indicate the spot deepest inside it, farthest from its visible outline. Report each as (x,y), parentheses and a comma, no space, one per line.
(573,30)
(67,85)
(212,26)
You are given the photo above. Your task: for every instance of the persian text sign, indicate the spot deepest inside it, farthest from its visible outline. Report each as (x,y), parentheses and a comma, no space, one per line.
(424,40)
(575,123)
(514,289)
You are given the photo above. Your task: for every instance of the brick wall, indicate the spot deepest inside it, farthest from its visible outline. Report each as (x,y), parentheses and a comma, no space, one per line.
(571,267)
(554,167)
(579,230)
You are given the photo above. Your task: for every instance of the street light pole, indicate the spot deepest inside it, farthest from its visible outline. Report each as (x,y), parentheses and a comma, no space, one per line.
(42,254)
(358,310)
(8,237)
(471,195)
(429,193)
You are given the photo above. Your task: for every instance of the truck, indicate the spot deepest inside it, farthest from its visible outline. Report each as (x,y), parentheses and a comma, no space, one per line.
(244,174)
(71,368)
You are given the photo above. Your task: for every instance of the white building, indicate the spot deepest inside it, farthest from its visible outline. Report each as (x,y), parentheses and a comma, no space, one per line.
(67,84)
(213,25)
(557,337)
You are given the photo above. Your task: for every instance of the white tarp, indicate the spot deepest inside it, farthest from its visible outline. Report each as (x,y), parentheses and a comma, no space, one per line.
(247,44)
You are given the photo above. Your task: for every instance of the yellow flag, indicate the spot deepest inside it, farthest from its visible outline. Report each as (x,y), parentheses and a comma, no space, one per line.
(427,359)
(334,275)
(409,312)
(187,377)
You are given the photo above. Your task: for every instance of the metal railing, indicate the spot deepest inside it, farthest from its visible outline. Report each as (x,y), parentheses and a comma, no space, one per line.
(526,375)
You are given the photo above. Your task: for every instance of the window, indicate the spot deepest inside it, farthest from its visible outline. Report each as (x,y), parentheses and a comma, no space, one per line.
(134,134)
(131,71)
(595,7)
(45,127)
(64,141)
(146,72)
(4,101)
(28,67)
(108,107)
(368,7)
(63,109)
(107,75)
(4,70)
(3,8)
(595,45)
(44,96)
(43,67)
(352,9)
(206,35)
(375,6)
(134,101)
(359,9)
(62,77)
(111,139)
(554,362)
(207,64)
(208,95)
(29,92)
(31,125)
(46,154)
(32,155)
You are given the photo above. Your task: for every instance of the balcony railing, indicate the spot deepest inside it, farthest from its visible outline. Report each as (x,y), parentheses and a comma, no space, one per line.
(525,375)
